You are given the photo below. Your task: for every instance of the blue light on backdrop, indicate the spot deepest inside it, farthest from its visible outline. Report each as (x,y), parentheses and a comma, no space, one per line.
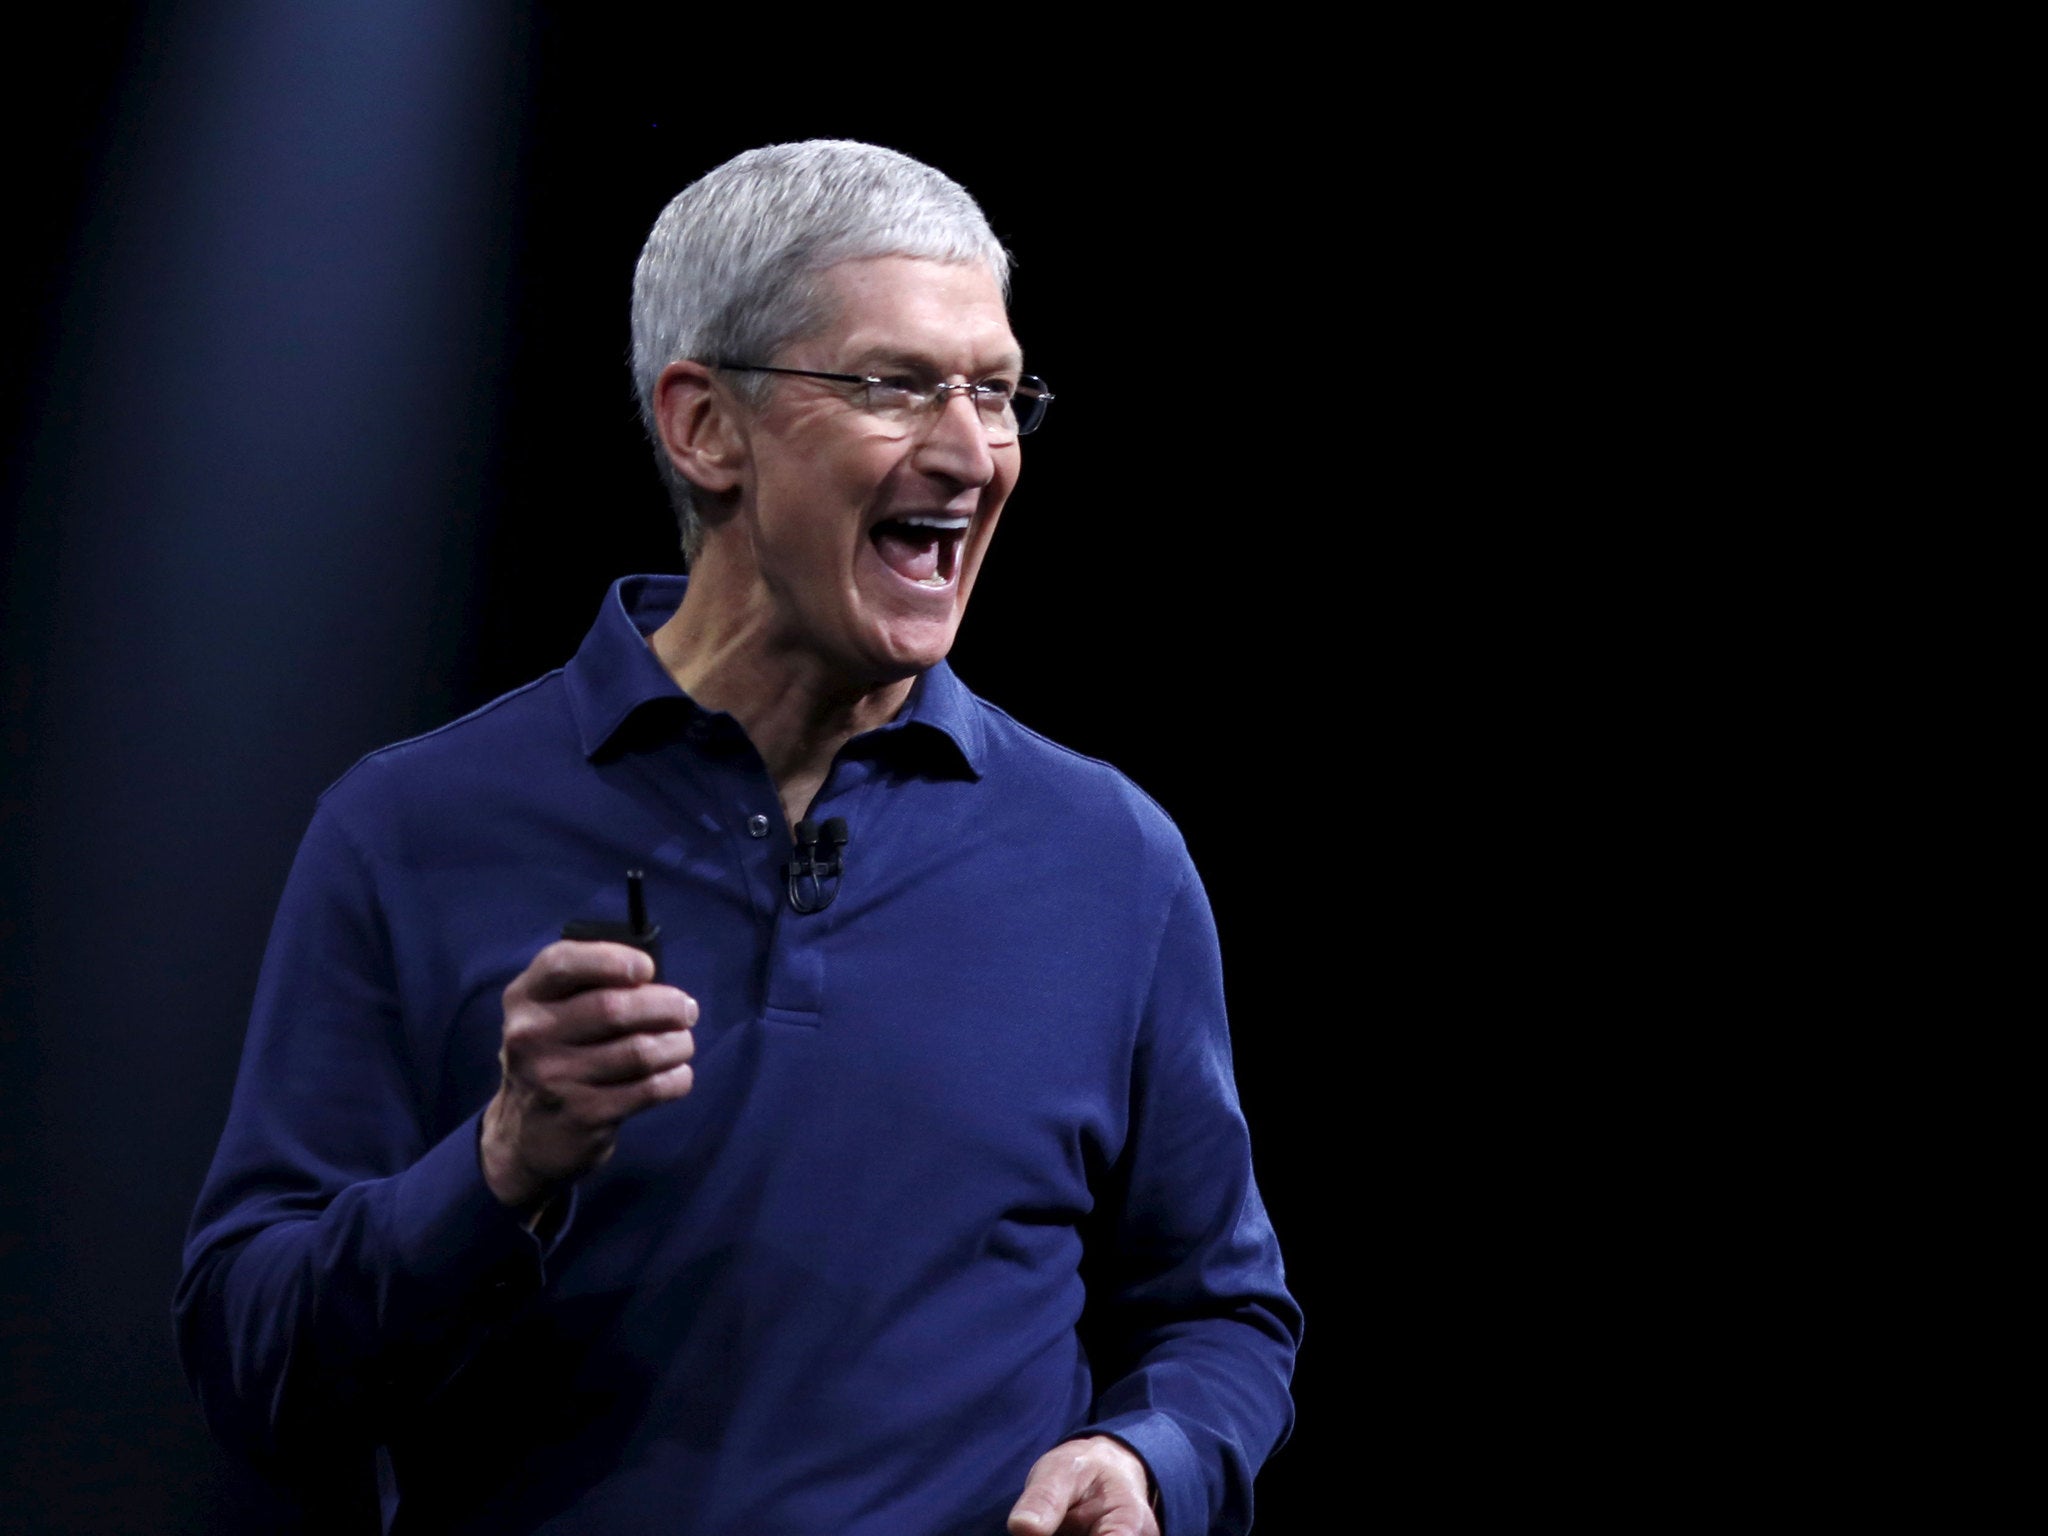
(256,464)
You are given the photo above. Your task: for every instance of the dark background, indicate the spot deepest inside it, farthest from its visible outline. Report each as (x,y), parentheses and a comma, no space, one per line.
(320,434)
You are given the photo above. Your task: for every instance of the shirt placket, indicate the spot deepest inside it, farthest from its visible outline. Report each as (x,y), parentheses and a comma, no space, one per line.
(796,979)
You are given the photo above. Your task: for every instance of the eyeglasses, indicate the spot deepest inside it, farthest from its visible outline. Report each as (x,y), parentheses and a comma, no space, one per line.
(1007,410)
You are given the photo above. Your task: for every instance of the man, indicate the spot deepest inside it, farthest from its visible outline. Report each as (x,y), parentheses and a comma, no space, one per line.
(911,1194)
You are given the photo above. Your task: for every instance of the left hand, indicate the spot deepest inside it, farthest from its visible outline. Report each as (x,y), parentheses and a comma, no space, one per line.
(1091,1487)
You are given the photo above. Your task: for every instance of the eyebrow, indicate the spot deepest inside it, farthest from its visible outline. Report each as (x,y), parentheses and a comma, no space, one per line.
(921,362)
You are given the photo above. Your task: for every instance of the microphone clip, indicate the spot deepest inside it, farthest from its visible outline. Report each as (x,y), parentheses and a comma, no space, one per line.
(807,875)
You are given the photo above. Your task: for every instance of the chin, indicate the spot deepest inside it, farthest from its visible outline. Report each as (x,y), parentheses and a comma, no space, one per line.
(908,648)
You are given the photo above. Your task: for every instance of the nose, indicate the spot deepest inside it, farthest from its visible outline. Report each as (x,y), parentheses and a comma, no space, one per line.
(955,443)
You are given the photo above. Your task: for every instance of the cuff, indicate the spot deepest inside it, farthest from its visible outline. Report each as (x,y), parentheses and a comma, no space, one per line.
(455,1240)
(1181,1499)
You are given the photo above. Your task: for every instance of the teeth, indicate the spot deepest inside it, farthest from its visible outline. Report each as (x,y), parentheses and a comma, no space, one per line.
(943,524)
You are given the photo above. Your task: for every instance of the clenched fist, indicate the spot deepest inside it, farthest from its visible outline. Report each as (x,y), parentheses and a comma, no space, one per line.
(590,1039)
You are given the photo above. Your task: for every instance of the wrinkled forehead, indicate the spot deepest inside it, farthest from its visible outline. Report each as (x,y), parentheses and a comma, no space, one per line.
(912,308)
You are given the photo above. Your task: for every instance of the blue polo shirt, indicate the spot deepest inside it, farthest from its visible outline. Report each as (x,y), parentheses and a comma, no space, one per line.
(962,1174)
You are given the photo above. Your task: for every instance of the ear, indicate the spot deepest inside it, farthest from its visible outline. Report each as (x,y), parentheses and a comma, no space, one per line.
(699,428)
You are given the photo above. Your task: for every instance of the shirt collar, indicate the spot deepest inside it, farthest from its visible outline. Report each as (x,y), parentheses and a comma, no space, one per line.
(615,673)
(615,670)
(942,711)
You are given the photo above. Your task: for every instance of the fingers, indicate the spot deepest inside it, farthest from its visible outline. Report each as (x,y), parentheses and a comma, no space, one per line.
(572,1112)
(598,1014)
(569,966)
(604,1037)
(589,1041)
(1091,1487)
(633,1057)
(576,993)
(1048,1494)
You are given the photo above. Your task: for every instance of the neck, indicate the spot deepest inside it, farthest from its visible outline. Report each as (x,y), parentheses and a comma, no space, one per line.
(795,709)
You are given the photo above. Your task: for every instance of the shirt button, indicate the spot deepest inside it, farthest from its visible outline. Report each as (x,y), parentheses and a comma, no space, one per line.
(757,826)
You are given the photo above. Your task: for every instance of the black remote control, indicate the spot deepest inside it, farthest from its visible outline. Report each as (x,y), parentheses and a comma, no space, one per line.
(636,930)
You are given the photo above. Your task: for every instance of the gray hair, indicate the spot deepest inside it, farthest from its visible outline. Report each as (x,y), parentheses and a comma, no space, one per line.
(730,268)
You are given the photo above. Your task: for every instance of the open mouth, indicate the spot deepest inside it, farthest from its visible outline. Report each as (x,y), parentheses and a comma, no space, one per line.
(922,549)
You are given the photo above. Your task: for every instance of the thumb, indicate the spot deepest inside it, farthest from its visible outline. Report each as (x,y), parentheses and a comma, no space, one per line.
(1048,1495)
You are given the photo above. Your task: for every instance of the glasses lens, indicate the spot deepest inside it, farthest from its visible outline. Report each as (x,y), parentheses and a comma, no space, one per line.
(993,402)
(897,401)
(1029,402)
(1005,414)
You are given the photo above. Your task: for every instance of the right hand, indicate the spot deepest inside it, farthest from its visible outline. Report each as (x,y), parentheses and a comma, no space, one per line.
(590,1039)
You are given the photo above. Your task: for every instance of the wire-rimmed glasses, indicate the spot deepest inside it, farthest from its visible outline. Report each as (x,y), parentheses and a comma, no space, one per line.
(1007,410)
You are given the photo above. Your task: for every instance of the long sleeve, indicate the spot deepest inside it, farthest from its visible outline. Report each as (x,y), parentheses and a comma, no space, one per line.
(343,1258)
(985,1093)
(1190,1326)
